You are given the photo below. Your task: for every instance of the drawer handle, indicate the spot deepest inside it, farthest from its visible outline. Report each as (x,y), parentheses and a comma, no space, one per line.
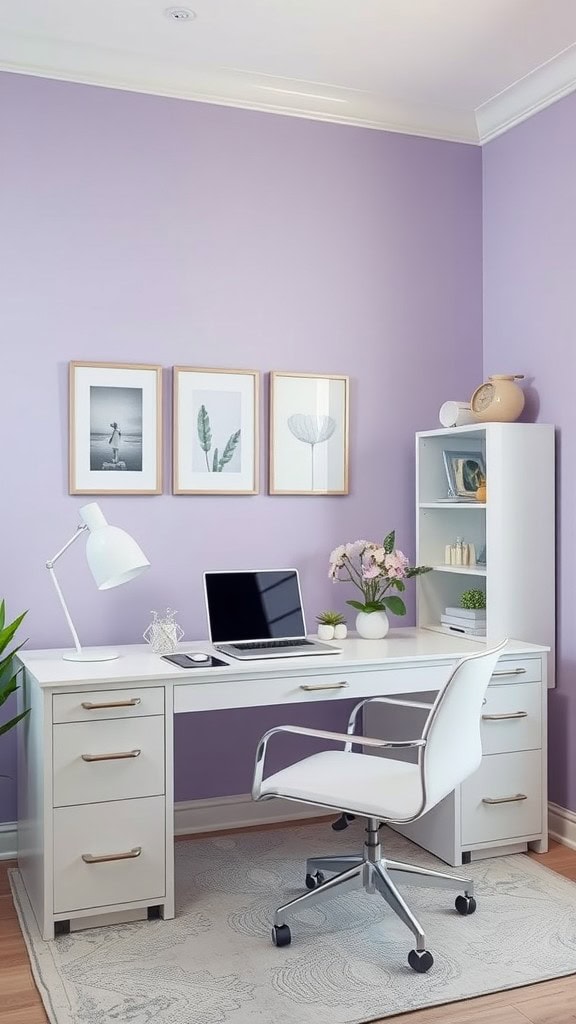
(120,756)
(504,799)
(510,672)
(505,716)
(324,686)
(90,706)
(89,858)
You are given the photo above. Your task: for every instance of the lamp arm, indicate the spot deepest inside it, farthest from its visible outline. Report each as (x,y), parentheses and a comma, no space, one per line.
(50,567)
(79,530)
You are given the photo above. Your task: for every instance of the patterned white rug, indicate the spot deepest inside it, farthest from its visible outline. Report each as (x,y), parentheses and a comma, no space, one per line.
(215,963)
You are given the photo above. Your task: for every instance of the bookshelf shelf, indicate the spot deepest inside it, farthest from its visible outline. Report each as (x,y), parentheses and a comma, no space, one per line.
(519,512)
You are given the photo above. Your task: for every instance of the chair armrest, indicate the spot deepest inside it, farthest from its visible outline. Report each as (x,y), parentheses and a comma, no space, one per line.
(301,730)
(397,701)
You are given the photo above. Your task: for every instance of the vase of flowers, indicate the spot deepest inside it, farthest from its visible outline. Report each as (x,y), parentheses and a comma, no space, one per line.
(377,570)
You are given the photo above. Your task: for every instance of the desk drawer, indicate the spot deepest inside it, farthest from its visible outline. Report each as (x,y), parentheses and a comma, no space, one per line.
(334,685)
(130,834)
(91,706)
(517,670)
(113,760)
(503,799)
(512,718)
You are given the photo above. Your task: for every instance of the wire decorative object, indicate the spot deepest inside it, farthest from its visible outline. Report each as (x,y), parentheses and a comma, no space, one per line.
(163,633)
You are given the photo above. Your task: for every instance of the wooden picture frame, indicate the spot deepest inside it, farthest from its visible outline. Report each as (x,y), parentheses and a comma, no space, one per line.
(115,428)
(215,431)
(309,433)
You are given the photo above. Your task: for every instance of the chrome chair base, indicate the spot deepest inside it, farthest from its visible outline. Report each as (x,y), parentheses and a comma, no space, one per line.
(376,874)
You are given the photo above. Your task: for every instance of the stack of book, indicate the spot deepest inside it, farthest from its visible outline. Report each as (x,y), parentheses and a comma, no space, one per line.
(469,621)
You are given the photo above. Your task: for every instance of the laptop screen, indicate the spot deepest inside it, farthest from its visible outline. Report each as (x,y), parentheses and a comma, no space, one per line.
(263,605)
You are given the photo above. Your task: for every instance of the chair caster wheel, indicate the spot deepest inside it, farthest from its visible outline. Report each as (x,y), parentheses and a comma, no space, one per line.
(465,905)
(281,935)
(420,960)
(313,880)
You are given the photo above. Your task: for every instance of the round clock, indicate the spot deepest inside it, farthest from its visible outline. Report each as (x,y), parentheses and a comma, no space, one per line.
(499,399)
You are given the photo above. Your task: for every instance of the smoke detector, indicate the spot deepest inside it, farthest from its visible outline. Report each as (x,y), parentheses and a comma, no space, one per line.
(180,13)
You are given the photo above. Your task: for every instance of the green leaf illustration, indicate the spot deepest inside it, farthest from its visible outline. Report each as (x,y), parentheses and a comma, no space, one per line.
(215,461)
(204,432)
(229,450)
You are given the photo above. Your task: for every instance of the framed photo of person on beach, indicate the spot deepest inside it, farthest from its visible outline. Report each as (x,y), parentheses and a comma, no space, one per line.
(115,428)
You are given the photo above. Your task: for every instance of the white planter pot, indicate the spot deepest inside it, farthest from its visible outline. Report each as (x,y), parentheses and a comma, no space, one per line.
(372,625)
(340,631)
(325,632)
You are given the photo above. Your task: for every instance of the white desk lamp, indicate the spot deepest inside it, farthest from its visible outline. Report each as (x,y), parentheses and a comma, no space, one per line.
(114,557)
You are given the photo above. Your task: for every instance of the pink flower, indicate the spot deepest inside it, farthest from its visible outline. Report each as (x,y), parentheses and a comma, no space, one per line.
(337,556)
(378,554)
(370,571)
(396,564)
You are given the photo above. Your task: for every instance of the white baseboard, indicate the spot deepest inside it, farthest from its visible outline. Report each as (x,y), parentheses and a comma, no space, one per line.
(8,840)
(562,825)
(224,812)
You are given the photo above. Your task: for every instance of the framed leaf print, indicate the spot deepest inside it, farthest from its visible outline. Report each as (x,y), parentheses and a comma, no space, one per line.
(115,430)
(308,433)
(215,431)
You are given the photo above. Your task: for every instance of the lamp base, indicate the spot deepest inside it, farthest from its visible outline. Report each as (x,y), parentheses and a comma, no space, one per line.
(91,654)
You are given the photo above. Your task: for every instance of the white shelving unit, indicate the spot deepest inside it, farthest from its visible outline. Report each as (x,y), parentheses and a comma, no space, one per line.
(515,527)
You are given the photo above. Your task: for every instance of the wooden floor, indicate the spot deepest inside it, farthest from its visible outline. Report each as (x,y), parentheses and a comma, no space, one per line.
(550,1002)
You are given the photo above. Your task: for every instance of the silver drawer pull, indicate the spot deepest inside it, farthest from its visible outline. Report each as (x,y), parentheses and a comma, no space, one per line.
(504,799)
(510,672)
(324,686)
(90,706)
(120,756)
(89,858)
(505,716)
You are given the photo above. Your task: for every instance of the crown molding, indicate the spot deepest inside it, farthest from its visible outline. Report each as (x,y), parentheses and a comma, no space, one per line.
(522,99)
(234,87)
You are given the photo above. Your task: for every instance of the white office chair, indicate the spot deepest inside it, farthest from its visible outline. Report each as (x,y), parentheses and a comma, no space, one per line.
(383,789)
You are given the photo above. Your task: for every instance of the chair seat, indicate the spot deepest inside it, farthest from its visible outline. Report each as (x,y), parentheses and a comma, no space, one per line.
(376,787)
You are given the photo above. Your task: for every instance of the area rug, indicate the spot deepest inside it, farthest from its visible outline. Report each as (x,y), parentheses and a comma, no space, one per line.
(215,963)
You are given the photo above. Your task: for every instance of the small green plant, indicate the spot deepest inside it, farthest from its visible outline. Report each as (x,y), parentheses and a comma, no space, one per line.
(330,619)
(8,677)
(473,599)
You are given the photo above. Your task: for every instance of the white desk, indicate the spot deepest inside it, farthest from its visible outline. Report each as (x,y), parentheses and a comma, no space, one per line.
(96,831)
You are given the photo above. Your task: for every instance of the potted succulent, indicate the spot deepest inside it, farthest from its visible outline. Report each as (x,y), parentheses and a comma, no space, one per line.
(331,626)
(473,599)
(8,677)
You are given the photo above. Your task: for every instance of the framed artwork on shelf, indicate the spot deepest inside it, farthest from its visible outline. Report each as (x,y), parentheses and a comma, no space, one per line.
(115,428)
(309,417)
(215,449)
(465,472)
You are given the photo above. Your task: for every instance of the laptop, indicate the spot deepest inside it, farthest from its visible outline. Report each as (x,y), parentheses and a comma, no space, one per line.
(258,614)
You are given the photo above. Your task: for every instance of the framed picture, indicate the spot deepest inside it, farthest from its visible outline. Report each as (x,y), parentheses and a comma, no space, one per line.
(215,431)
(465,472)
(308,433)
(115,428)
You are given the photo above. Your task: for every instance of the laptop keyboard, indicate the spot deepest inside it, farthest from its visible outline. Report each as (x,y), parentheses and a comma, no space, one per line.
(251,645)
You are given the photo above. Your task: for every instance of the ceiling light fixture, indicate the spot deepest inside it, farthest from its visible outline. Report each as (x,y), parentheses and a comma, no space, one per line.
(180,14)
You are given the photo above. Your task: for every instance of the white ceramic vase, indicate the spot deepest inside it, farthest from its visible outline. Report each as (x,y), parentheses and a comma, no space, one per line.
(372,625)
(340,631)
(325,632)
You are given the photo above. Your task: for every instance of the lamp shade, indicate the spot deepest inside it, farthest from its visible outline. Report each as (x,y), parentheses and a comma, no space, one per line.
(113,555)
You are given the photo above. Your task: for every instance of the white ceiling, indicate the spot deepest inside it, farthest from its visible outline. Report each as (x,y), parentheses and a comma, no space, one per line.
(452,69)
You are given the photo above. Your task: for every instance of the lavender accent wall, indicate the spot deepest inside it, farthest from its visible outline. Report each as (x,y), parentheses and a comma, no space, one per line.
(529,327)
(142,229)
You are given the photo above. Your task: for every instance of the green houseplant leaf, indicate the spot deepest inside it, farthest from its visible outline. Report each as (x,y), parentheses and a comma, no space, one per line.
(229,450)
(395,605)
(389,542)
(8,678)
(215,461)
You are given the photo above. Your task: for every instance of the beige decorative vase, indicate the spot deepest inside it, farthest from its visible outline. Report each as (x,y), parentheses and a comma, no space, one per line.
(499,399)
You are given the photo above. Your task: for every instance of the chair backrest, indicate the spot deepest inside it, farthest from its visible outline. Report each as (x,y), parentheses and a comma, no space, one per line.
(453,748)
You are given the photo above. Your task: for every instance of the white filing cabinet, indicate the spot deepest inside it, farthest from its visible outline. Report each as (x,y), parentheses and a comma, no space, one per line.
(502,807)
